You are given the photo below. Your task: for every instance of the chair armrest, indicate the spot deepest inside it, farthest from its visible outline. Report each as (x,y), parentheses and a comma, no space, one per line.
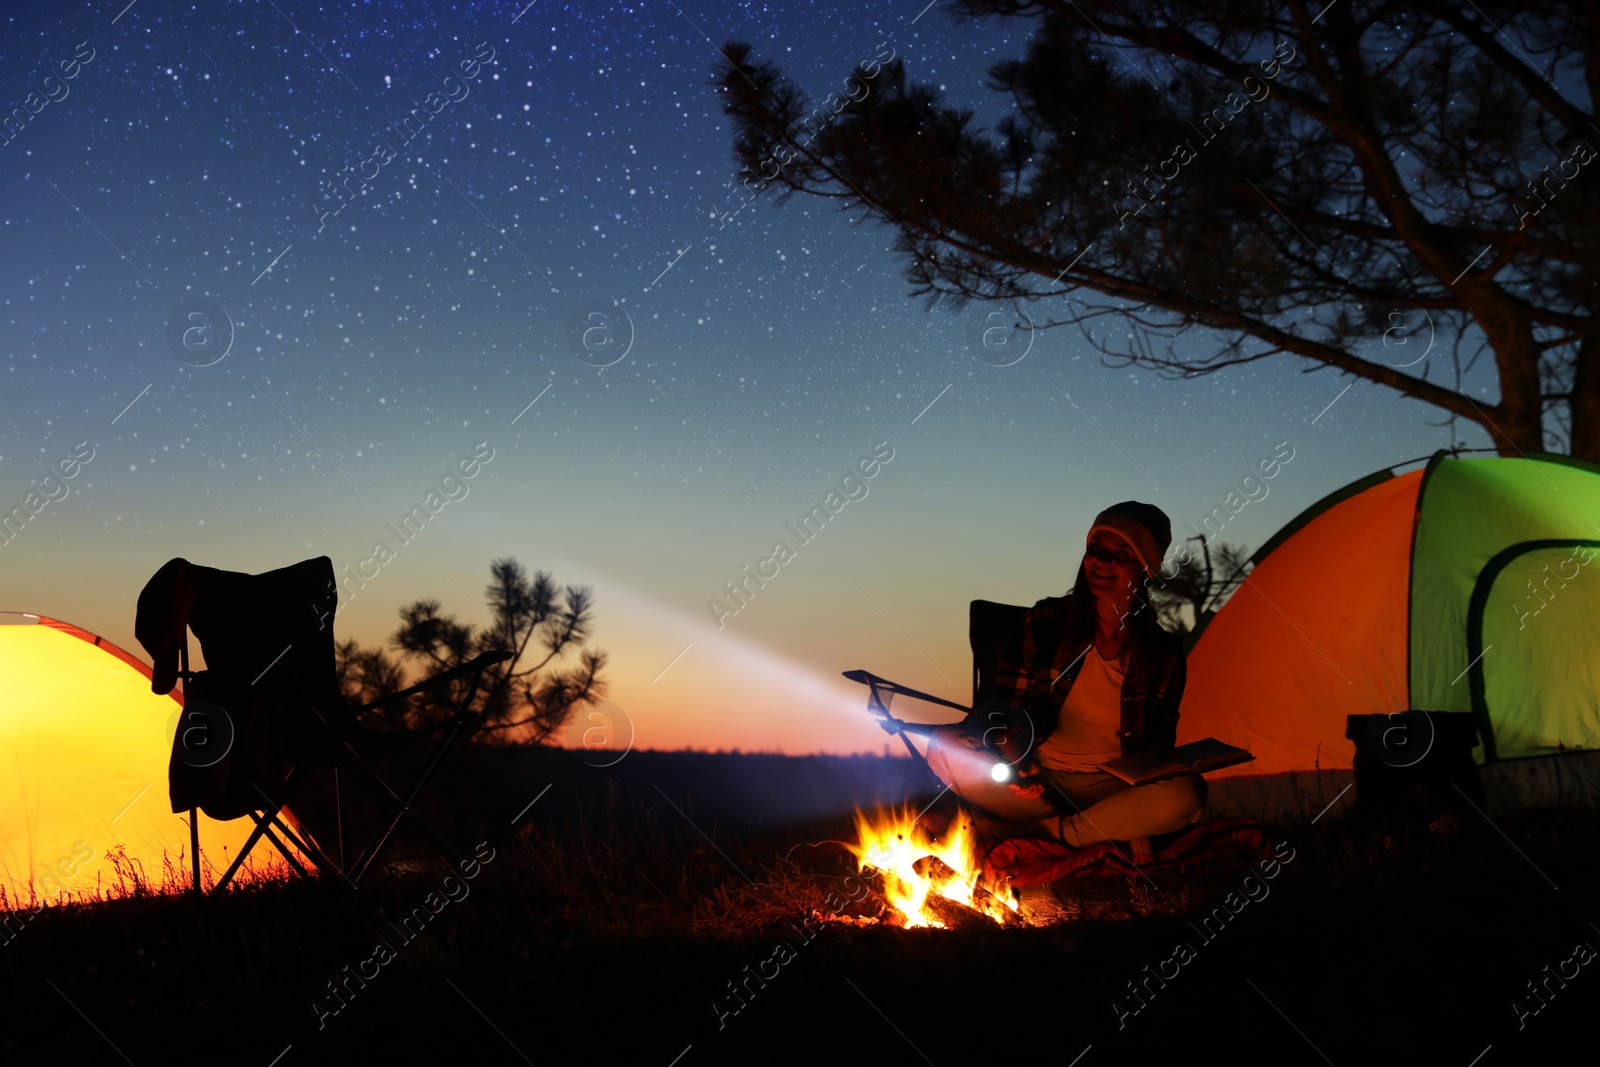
(921,729)
(883,685)
(474,666)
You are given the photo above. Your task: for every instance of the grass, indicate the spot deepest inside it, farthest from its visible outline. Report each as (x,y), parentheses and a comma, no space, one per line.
(611,928)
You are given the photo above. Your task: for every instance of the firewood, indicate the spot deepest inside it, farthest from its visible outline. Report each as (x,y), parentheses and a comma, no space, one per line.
(955,916)
(934,868)
(982,896)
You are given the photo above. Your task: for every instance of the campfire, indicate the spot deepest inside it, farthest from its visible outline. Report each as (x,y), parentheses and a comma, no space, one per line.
(928,881)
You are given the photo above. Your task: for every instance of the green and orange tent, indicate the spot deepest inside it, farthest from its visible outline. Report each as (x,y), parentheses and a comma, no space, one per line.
(1470,585)
(84,746)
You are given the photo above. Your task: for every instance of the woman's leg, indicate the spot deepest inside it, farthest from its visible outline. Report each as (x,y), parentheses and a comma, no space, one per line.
(1128,812)
(956,754)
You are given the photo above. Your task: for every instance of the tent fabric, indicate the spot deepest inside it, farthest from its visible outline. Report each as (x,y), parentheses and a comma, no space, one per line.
(1475,511)
(95,639)
(1316,633)
(1469,586)
(84,746)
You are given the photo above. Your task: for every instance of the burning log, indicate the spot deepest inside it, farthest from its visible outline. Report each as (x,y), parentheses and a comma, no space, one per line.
(1002,910)
(927,881)
(956,916)
(934,869)
(989,907)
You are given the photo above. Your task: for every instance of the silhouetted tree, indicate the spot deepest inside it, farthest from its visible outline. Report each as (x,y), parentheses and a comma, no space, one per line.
(1297,179)
(1202,584)
(365,674)
(530,696)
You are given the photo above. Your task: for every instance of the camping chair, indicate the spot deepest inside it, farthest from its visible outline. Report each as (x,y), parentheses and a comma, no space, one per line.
(993,630)
(267,710)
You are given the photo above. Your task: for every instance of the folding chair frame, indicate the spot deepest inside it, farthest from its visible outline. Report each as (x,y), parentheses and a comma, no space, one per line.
(878,706)
(270,816)
(987,620)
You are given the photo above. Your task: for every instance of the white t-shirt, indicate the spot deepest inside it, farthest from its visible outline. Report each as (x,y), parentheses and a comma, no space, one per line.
(1086,733)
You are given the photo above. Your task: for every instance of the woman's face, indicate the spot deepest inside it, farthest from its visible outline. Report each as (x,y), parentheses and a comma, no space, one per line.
(1111,565)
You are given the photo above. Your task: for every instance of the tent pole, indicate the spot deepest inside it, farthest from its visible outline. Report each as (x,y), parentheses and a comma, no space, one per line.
(194,848)
(194,812)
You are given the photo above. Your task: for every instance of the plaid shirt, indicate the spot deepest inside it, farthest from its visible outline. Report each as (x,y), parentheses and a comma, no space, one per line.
(1039,678)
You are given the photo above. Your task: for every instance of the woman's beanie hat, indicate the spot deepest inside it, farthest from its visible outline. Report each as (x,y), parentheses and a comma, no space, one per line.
(1145,526)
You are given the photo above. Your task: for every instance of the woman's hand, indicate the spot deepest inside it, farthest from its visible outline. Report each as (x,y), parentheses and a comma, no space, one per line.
(1027,790)
(1026,781)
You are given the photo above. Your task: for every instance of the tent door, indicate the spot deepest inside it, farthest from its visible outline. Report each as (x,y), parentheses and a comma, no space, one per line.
(1534,638)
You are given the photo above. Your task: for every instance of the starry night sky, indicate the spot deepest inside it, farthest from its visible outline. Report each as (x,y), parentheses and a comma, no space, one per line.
(586,164)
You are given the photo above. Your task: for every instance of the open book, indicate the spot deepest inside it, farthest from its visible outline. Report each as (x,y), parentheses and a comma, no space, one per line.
(1197,756)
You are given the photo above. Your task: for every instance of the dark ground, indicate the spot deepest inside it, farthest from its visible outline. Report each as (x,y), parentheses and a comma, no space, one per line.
(607,929)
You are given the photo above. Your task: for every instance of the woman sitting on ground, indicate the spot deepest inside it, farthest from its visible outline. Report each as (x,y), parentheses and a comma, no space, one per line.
(1098,678)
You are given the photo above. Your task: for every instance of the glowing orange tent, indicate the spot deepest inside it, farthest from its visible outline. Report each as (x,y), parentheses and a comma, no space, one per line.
(1469,586)
(84,747)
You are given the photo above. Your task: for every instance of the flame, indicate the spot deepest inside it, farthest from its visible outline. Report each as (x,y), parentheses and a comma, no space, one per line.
(892,843)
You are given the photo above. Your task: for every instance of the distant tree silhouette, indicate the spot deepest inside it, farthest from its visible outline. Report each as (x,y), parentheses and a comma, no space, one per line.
(1299,179)
(365,674)
(529,697)
(1203,583)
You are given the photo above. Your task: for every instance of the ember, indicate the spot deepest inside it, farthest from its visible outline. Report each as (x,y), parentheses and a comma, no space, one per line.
(920,874)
